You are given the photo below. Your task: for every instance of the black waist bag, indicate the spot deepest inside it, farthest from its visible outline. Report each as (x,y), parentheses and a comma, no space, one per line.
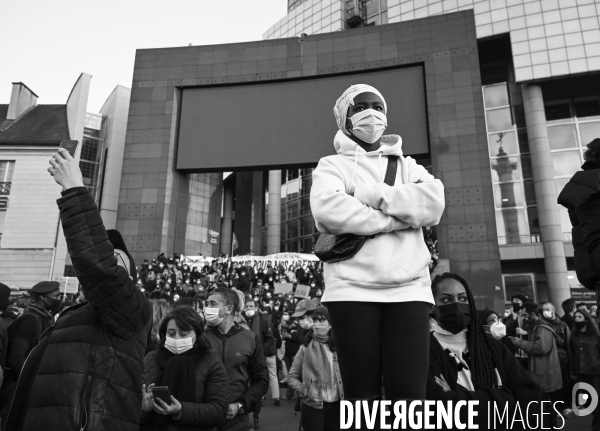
(334,248)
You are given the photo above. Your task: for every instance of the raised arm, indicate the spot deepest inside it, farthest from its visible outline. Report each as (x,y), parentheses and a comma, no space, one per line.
(107,287)
(337,212)
(419,203)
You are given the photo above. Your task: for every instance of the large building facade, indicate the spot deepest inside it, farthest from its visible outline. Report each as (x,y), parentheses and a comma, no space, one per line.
(540,70)
(32,245)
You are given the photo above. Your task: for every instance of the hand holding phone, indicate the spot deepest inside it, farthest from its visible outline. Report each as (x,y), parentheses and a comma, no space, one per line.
(70,146)
(162,393)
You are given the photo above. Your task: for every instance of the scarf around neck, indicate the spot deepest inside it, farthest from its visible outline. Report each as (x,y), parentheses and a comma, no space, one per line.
(178,373)
(317,370)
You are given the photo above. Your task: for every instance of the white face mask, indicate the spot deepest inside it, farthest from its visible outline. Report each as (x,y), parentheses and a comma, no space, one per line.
(548,314)
(368,125)
(250,313)
(286,317)
(212,316)
(498,330)
(179,345)
(306,323)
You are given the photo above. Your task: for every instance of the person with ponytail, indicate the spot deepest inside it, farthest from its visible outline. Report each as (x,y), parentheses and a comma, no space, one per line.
(196,378)
(466,363)
(315,374)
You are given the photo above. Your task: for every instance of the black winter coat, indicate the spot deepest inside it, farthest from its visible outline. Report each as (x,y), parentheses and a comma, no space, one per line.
(581,197)
(212,390)
(90,374)
(517,386)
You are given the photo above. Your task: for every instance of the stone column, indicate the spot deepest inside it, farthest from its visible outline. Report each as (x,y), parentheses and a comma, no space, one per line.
(546,195)
(274,213)
(227,222)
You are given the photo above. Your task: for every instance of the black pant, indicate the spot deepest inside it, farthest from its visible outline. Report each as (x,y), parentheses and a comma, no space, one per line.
(382,339)
(325,419)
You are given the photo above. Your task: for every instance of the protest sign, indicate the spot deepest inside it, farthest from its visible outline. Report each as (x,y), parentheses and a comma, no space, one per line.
(302,291)
(283,288)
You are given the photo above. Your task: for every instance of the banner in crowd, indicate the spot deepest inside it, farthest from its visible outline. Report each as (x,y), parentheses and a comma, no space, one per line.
(285,259)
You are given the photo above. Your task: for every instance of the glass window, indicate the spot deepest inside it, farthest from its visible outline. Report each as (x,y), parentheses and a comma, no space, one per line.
(561,137)
(534,220)
(518,284)
(292,229)
(506,169)
(523,141)
(519,112)
(306,184)
(589,132)
(566,163)
(305,206)
(529,193)
(512,225)
(374,20)
(89,149)
(372,7)
(384,17)
(507,141)
(307,245)
(509,195)
(526,167)
(292,210)
(495,96)
(6,170)
(565,222)
(88,171)
(499,119)
(558,111)
(306,226)
(587,108)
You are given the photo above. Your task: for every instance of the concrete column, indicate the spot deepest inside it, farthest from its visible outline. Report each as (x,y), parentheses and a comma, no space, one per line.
(546,195)
(227,222)
(274,213)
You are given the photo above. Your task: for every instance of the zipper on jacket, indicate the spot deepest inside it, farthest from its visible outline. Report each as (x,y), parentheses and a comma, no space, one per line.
(85,405)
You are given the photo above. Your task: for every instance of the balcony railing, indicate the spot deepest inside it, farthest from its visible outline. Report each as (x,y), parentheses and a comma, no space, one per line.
(529,239)
(5,188)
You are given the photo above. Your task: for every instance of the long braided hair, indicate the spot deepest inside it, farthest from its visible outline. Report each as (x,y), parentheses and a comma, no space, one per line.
(483,356)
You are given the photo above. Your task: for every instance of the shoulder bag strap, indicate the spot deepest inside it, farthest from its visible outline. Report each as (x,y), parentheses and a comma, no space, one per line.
(392,169)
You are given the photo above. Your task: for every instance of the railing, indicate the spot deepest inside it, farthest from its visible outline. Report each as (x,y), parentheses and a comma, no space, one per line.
(5,188)
(529,239)
(519,239)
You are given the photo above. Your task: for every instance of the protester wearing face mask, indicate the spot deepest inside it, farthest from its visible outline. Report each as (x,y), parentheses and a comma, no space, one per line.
(585,366)
(262,326)
(315,374)
(515,327)
(242,354)
(349,195)
(492,324)
(467,364)
(196,378)
(563,341)
(542,360)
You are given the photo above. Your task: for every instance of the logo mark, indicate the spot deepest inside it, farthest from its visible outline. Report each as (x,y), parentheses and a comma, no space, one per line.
(580,399)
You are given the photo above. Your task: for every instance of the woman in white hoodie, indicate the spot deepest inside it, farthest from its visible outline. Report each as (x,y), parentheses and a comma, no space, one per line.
(379,299)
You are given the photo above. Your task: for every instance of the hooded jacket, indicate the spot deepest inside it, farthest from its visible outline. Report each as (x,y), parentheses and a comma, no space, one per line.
(349,195)
(581,197)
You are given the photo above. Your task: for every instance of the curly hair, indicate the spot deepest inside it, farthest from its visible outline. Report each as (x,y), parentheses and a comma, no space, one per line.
(592,154)
(483,356)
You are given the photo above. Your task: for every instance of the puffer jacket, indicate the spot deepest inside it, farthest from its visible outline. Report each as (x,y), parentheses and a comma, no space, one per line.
(90,375)
(212,391)
(585,347)
(581,197)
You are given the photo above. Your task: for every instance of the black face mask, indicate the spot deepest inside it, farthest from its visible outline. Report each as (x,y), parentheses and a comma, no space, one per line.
(453,317)
(580,324)
(53,306)
(516,306)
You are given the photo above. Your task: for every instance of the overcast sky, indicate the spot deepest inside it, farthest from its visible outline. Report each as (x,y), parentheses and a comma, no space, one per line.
(47,44)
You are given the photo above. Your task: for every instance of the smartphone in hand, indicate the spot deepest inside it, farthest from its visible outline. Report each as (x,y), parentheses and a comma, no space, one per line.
(162,392)
(70,146)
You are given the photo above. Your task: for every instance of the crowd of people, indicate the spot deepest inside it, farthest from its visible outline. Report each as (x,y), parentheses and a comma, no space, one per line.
(169,346)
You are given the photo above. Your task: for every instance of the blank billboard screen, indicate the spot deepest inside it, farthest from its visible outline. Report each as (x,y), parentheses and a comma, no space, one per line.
(268,125)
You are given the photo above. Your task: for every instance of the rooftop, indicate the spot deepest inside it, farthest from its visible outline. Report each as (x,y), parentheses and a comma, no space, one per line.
(43,124)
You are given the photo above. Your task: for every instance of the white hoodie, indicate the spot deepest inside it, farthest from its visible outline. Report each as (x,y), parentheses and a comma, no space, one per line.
(393,266)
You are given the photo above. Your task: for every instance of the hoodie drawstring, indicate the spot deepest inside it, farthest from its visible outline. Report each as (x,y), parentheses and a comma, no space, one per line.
(354,171)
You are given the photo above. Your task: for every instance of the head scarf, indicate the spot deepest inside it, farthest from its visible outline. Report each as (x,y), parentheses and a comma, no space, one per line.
(340,110)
